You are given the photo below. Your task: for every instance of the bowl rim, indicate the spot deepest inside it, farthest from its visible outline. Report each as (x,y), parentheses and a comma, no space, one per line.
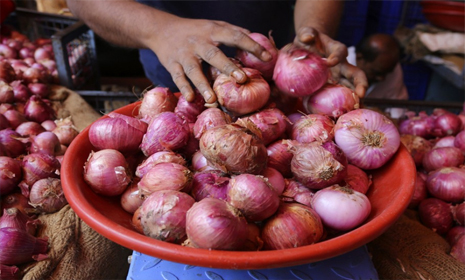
(225,259)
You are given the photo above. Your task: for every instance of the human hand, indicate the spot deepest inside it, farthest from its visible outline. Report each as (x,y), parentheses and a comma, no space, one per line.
(185,43)
(335,54)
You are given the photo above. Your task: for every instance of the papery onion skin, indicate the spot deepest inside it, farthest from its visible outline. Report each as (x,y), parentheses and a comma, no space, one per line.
(293,225)
(47,195)
(156,158)
(241,99)
(357,179)
(417,147)
(275,179)
(215,224)
(316,166)
(332,100)
(155,101)
(163,215)
(420,193)
(209,118)
(435,214)
(368,138)
(107,172)
(280,157)
(294,191)
(36,109)
(313,127)
(118,132)
(199,163)
(445,123)
(10,174)
(13,217)
(65,131)
(253,196)
(299,72)
(254,242)
(212,183)
(341,208)
(271,122)
(180,178)
(38,166)
(234,149)
(10,272)
(447,183)
(442,157)
(166,131)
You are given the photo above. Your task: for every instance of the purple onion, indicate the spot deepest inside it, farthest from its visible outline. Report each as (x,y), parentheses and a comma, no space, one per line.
(435,214)
(10,174)
(212,183)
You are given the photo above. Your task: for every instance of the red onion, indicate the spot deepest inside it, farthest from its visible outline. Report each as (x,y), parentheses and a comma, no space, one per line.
(458,212)
(3,151)
(266,68)
(357,179)
(107,172)
(454,234)
(7,52)
(447,183)
(45,142)
(458,250)
(459,141)
(10,140)
(445,123)
(190,110)
(21,91)
(13,43)
(4,123)
(420,193)
(318,165)
(29,128)
(234,149)
(286,103)
(446,141)
(180,178)
(368,138)
(41,54)
(49,125)
(442,157)
(155,101)
(241,99)
(47,195)
(132,199)
(216,225)
(293,225)
(136,222)
(210,118)
(13,217)
(36,109)
(200,163)
(38,166)
(18,201)
(417,124)
(212,183)
(294,191)
(275,179)
(313,127)
(254,242)
(299,72)
(66,131)
(10,174)
(163,215)
(118,132)
(417,146)
(280,157)
(253,195)
(14,117)
(9,272)
(166,131)
(7,73)
(271,122)
(331,100)
(436,215)
(341,208)
(40,89)
(25,53)
(19,247)
(156,158)
(192,144)
(6,93)
(34,75)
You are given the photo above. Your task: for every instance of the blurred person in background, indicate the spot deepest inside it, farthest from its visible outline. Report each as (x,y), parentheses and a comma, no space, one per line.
(179,39)
(378,55)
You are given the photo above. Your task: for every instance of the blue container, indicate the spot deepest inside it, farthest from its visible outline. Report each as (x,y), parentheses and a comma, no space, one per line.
(354,265)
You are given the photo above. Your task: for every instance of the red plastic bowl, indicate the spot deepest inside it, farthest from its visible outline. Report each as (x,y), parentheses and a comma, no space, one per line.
(448,15)
(390,194)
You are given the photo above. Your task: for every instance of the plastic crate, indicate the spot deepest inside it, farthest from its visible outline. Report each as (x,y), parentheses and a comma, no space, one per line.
(73,45)
(105,102)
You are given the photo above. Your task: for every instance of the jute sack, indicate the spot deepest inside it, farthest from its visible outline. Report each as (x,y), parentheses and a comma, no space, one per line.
(409,250)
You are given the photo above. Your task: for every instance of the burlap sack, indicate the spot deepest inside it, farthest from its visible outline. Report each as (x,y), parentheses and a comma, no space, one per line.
(409,250)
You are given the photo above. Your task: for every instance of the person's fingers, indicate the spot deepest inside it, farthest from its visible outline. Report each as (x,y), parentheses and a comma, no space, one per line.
(193,70)
(357,76)
(177,74)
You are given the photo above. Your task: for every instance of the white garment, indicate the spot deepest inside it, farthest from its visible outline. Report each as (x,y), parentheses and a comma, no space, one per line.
(392,87)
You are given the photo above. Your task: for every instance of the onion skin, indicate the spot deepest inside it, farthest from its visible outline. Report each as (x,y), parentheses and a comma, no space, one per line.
(13,217)
(368,138)
(66,131)
(417,147)
(341,208)
(357,179)
(155,101)
(458,211)
(190,110)
(436,215)
(271,122)
(313,127)
(445,123)
(215,224)
(295,191)
(36,109)
(19,247)
(317,167)
(275,179)
(459,141)
(447,184)
(38,166)
(234,148)
(293,225)
(47,195)
(10,140)
(180,178)
(299,72)
(280,157)
(332,100)
(156,158)
(210,184)
(241,99)
(10,272)
(420,193)
(210,118)
(131,198)
(442,157)
(163,215)
(10,174)
(454,234)
(253,196)
(417,124)
(107,172)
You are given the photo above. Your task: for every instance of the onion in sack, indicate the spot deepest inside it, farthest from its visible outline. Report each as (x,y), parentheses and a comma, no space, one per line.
(332,100)
(367,138)
(299,72)
(447,184)
(313,127)
(251,61)
(47,195)
(318,165)
(215,224)
(163,215)
(293,225)
(107,172)
(241,99)
(234,149)
(19,247)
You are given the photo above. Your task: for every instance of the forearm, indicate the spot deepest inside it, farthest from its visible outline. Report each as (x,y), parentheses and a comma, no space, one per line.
(323,15)
(122,22)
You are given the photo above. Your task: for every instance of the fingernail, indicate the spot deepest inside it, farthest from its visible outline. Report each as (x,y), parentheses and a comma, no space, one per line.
(238,75)
(207,95)
(266,55)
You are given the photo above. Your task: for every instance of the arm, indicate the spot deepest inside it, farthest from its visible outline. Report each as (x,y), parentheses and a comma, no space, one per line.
(180,44)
